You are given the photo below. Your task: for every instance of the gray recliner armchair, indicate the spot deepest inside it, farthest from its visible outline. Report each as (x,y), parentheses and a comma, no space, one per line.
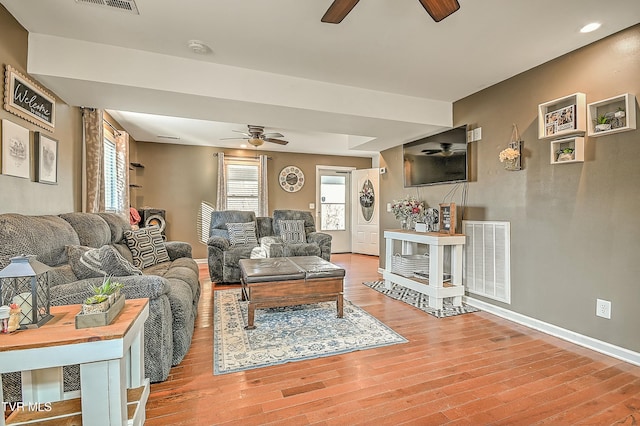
(224,257)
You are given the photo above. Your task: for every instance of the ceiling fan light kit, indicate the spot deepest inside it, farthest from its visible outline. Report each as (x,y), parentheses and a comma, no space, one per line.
(437,9)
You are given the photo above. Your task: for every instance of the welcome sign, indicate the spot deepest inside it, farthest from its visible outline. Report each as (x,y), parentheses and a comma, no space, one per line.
(27,100)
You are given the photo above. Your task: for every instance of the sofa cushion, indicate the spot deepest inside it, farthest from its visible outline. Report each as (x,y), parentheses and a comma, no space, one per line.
(92,230)
(242,234)
(118,224)
(147,246)
(292,231)
(43,236)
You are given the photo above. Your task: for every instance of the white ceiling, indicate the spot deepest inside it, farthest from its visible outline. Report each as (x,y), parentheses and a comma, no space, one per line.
(387,74)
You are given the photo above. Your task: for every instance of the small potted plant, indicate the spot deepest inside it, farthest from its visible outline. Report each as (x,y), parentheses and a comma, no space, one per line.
(603,123)
(95,303)
(565,154)
(109,288)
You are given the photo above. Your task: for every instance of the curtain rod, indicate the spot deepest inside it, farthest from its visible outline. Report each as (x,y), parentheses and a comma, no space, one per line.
(235,157)
(112,126)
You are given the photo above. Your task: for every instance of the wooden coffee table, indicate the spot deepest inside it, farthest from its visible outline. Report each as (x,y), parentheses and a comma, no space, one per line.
(288,281)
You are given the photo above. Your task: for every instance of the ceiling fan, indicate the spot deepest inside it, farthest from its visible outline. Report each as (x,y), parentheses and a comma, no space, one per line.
(438,9)
(446,150)
(256,136)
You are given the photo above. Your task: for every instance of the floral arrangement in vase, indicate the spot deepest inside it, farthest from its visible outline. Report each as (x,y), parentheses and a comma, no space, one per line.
(509,156)
(409,209)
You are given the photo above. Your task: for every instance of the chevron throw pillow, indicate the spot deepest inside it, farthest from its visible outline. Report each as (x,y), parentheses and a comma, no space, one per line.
(147,247)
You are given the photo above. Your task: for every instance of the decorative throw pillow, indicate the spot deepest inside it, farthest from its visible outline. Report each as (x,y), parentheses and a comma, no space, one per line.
(242,234)
(292,231)
(147,247)
(85,262)
(114,264)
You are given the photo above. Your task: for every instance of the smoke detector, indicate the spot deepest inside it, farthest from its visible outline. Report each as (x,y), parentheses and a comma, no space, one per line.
(198,47)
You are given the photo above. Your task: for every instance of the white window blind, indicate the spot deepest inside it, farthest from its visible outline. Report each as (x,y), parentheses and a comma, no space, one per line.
(110,176)
(242,184)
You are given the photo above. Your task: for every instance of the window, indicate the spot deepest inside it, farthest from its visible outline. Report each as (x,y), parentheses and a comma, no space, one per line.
(115,173)
(333,199)
(110,176)
(204,221)
(242,184)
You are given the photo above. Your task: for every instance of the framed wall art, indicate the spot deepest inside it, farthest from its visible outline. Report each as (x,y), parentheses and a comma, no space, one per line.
(29,101)
(447,218)
(46,152)
(16,159)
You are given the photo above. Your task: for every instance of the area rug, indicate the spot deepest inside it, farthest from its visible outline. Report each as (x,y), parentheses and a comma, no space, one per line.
(289,334)
(420,301)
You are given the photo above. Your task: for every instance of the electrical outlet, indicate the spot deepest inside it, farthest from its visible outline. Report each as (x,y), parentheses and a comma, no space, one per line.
(603,308)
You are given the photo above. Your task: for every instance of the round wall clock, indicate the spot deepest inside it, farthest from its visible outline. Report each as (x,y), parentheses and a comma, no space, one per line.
(291,179)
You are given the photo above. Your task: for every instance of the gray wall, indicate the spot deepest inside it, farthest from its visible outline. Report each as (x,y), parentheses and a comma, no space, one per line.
(178,178)
(575,228)
(19,195)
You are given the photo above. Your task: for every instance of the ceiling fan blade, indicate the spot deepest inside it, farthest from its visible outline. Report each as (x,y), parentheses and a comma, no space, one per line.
(273,135)
(338,10)
(225,139)
(440,9)
(278,141)
(431,151)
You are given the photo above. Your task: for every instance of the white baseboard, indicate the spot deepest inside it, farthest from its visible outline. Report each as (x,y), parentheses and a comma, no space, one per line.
(201,261)
(579,339)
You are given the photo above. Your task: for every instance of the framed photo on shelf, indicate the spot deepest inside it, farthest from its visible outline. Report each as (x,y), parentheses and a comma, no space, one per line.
(29,101)
(46,150)
(560,120)
(16,160)
(447,218)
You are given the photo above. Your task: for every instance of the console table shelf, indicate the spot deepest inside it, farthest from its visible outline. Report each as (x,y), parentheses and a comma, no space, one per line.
(435,287)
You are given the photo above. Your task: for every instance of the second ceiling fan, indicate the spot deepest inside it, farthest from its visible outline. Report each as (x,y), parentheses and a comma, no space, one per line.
(438,9)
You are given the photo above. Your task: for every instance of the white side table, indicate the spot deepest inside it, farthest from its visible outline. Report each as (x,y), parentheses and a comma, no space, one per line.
(111,362)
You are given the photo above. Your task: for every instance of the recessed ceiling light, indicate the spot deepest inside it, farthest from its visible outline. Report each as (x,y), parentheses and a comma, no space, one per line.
(590,27)
(243,145)
(198,47)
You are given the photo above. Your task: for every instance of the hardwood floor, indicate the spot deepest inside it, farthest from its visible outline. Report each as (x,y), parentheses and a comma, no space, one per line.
(473,369)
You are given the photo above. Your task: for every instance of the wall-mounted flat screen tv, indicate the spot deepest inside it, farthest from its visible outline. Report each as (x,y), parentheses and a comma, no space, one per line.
(436,159)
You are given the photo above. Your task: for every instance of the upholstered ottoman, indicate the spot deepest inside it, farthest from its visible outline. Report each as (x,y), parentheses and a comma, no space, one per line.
(286,281)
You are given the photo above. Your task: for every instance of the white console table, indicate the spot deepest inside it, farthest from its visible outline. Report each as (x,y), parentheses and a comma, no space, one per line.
(434,287)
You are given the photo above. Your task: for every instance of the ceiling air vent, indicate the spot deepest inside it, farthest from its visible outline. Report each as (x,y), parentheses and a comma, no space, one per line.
(123,5)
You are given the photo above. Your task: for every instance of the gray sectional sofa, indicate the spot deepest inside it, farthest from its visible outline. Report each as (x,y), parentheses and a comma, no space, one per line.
(172,286)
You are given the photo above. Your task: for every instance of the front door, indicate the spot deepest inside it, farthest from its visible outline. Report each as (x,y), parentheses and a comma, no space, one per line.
(366,211)
(334,201)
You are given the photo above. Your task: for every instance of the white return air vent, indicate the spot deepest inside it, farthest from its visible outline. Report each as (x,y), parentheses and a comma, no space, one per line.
(123,5)
(487,259)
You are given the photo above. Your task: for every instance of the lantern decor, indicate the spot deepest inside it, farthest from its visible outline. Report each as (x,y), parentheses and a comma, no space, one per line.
(25,283)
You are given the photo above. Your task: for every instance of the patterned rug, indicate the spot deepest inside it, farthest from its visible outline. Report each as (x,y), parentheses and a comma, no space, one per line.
(289,334)
(420,301)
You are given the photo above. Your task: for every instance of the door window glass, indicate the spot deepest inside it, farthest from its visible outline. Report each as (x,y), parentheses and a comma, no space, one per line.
(333,198)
